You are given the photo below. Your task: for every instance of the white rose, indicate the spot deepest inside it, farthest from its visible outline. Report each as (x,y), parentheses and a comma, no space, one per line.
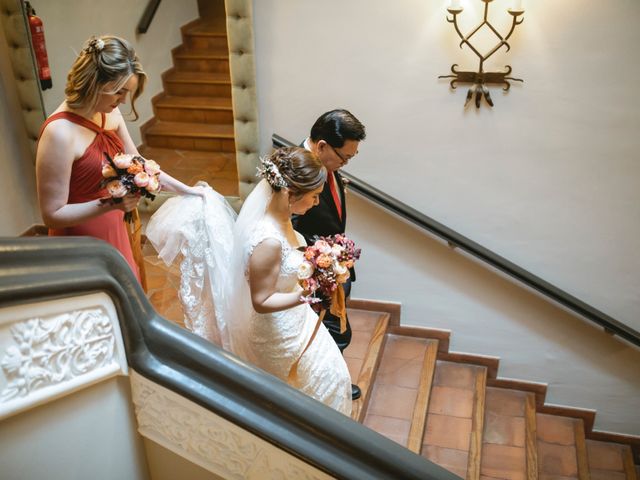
(340,269)
(305,270)
(336,250)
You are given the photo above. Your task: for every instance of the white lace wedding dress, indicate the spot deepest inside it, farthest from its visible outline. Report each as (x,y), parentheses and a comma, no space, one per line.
(215,294)
(278,339)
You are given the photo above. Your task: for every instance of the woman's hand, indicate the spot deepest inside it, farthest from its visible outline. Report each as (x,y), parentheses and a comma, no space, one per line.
(129,203)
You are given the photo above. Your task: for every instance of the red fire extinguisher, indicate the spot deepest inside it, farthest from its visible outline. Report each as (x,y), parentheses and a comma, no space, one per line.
(39,47)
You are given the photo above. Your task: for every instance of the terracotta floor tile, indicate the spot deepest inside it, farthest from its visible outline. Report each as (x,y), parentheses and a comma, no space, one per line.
(456,402)
(505,402)
(447,457)
(358,346)
(363,321)
(555,429)
(605,456)
(354,365)
(607,475)
(554,459)
(504,430)
(504,462)
(399,346)
(448,432)
(392,401)
(393,428)
(399,371)
(458,375)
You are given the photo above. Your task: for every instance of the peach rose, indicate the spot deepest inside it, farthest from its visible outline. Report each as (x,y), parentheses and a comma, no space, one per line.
(108,171)
(123,160)
(151,167)
(324,261)
(141,179)
(135,167)
(153,185)
(116,189)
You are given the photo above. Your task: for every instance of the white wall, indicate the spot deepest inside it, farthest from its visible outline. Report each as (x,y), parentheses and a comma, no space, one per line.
(17,178)
(68,23)
(548,178)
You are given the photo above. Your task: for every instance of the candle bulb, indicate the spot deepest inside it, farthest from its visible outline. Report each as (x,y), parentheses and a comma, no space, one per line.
(454,5)
(517,5)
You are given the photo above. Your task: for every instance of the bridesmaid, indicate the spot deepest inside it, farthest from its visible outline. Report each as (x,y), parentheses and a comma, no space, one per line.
(74,139)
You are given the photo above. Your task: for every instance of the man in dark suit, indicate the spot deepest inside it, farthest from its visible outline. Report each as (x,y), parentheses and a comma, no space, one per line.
(334,138)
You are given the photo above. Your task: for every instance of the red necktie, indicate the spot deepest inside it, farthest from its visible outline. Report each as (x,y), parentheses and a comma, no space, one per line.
(334,193)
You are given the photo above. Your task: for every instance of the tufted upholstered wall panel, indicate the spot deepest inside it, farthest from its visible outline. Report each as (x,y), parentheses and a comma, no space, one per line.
(14,29)
(243,88)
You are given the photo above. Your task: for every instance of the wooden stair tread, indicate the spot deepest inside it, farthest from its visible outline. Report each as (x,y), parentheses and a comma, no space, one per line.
(453,433)
(187,76)
(370,327)
(208,54)
(610,460)
(211,27)
(198,130)
(209,103)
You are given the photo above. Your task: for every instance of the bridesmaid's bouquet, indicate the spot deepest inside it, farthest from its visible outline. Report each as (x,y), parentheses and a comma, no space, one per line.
(325,268)
(125,174)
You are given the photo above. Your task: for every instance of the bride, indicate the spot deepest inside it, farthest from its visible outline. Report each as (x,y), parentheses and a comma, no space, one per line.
(242,292)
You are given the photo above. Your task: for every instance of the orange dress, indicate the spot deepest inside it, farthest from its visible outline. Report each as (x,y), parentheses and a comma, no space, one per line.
(84,186)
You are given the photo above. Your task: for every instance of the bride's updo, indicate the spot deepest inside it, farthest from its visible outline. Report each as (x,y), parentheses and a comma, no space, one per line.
(295,168)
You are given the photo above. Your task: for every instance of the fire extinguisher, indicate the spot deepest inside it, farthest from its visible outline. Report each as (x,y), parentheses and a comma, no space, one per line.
(39,47)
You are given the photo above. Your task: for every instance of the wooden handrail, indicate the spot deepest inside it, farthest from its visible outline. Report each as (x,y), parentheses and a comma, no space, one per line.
(453,238)
(147,16)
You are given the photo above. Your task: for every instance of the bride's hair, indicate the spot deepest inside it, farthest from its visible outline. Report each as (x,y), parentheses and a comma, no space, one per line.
(301,170)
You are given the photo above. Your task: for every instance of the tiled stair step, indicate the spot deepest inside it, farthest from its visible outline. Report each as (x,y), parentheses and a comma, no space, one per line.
(396,386)
(209,60)
(509,448)
(190,136)
(610,461)
(453,434)
(364,354)
(187,83)
(561,448)
(194,109)
(191,165)
(205,34)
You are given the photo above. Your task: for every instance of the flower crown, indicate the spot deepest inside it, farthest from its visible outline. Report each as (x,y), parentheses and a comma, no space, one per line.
(269,171)
(95,45)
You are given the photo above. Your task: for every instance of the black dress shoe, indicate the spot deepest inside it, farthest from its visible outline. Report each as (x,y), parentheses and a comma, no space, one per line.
(355,392)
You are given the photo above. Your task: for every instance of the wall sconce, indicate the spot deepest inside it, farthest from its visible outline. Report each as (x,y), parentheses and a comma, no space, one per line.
(480,79)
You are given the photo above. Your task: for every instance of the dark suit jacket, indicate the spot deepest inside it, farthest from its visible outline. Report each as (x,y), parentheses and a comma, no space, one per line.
(323,220)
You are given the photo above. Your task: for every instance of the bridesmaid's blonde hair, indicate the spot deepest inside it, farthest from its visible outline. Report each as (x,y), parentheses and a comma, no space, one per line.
(103,60)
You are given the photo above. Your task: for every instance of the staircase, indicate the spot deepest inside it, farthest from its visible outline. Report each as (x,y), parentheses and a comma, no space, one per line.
(454,410)
(191,134)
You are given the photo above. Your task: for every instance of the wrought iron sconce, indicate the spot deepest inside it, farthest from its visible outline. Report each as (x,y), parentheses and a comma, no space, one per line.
(481,79)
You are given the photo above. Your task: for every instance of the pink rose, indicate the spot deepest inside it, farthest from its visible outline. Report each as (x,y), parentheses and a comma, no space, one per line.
(153,185)
(116,189)
(151,167)
(123,160)
(141,179)
(108,171)
(135,167)
(322,246)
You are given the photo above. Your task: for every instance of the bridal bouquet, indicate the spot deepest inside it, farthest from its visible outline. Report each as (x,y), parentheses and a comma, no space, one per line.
(125,174)
(325,268)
